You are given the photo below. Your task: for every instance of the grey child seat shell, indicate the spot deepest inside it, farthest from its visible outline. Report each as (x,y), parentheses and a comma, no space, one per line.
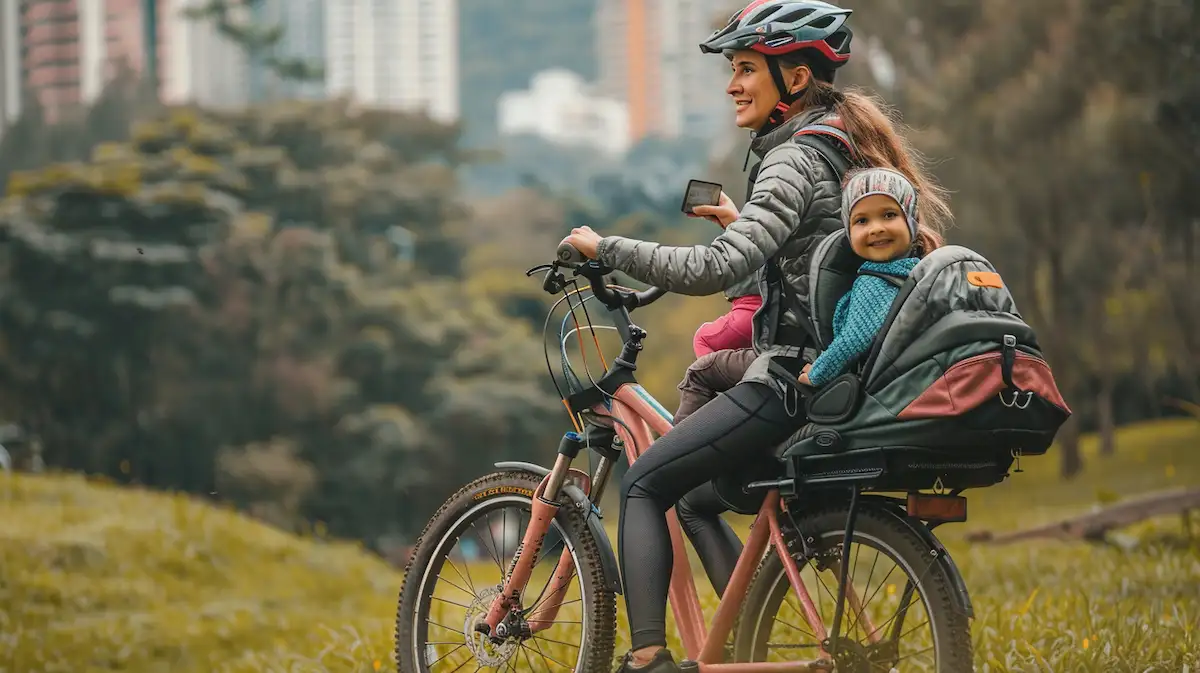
(953,388)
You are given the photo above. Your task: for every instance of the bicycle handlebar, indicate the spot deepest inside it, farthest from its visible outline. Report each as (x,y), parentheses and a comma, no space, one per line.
(569,255)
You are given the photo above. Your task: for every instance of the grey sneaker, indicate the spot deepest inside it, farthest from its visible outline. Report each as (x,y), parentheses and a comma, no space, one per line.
(662,662)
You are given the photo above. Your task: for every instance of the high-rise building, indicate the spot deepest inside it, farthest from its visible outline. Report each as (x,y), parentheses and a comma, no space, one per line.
(303,23)
(203,66)
(11,77)
(400,54)
(70,48)
(649,58)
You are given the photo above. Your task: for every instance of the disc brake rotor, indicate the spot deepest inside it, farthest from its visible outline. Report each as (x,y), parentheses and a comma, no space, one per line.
(486,652)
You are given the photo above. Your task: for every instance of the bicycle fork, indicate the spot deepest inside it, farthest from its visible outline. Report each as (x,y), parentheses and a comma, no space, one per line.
(544,508)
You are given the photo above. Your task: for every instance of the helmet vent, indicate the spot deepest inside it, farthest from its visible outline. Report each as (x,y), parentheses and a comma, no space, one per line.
(762,14)
(797,16)
(823,22)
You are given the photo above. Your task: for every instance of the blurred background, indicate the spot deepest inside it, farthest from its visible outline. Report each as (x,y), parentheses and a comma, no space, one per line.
(270,253)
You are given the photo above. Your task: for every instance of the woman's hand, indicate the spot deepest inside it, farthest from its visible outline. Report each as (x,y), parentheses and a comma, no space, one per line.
(585,241)
(723,213)
(803,378)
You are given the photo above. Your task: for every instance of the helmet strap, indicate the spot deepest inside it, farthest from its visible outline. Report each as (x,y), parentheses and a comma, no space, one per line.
(786,97)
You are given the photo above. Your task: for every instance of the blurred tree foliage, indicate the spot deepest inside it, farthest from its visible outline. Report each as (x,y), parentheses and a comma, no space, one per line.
(266,305)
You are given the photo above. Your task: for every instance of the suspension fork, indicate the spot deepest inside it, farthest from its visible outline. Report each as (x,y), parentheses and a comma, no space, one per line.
(543,614)
(544,508)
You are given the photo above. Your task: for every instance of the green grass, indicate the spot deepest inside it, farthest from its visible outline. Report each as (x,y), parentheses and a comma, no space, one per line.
(99,578)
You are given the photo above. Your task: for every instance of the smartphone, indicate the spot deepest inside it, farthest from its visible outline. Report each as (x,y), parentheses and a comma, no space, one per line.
(700,193)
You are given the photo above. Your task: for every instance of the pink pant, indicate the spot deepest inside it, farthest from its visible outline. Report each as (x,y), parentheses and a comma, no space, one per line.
(730,331)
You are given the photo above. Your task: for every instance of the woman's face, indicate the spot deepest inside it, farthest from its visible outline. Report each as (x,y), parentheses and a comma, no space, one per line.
(752,89)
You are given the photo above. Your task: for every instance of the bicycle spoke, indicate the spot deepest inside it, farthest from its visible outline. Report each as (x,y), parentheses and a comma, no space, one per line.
(469,593)
(491,550)
(499,551)
(911,601)
(542,594)
(543,655)
(882,584)
(869,576)
(914,653)
(460,576)
(794,627)
(443,600)
(461,665)
(915,628)
(435,661)
(557,642)
(433,623)
(799,614)
(916,584)
(525,651)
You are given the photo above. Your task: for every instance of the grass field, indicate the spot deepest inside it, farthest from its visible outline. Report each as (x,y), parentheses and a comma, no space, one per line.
(98,578)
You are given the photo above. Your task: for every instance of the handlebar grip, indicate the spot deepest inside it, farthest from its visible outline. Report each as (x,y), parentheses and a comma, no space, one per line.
(568,254)
(647,297)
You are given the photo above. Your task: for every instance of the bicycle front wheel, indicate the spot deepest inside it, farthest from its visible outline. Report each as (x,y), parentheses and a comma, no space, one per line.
(899,614)
(565,619)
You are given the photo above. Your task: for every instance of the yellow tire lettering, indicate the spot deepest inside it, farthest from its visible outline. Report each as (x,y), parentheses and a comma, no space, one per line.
(497,490)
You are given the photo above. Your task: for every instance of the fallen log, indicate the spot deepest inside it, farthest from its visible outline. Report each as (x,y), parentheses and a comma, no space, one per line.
(1094,525)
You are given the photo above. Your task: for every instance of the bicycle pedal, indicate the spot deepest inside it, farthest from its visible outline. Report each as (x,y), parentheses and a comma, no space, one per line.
(689,666)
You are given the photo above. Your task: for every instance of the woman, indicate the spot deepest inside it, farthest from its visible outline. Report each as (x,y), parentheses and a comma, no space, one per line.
(783,54)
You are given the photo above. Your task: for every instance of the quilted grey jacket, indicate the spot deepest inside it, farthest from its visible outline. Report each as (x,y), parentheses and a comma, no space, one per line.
(795,202)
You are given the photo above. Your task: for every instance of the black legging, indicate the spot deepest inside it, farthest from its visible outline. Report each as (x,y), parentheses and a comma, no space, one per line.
(723,435)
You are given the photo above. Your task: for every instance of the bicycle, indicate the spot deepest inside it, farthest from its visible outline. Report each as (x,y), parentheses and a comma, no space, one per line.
(810,514)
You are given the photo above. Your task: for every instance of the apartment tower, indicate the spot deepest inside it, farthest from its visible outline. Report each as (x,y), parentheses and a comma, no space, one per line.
(650,59)
(400,54)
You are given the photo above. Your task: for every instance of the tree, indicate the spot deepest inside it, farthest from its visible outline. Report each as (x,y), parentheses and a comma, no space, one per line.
(219,304)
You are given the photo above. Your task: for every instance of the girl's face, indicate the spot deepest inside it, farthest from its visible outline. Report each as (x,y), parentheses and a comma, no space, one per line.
(878,229)
(752,89)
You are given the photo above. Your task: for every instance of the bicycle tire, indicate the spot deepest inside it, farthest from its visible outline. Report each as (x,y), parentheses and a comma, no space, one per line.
(516,486)
(951,628)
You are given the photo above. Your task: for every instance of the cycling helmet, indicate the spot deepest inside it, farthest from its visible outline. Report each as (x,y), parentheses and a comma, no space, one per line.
(816,30)
(775,27)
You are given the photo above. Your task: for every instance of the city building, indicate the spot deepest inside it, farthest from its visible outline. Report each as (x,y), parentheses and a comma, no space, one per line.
(303,23)
(70,48)
(11,78)
(202,65)
(400,54)
(559,107)
(649,58)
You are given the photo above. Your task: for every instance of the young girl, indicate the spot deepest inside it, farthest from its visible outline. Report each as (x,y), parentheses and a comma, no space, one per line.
(879,211)
(723,351)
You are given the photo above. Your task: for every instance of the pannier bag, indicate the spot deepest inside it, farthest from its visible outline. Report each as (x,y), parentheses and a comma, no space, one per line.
(954,386)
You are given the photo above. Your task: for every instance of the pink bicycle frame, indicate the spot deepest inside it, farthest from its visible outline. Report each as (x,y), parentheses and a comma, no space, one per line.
(641,416)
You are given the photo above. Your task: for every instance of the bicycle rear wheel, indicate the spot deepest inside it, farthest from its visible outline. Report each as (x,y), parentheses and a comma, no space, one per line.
(458,566)
(905,619)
